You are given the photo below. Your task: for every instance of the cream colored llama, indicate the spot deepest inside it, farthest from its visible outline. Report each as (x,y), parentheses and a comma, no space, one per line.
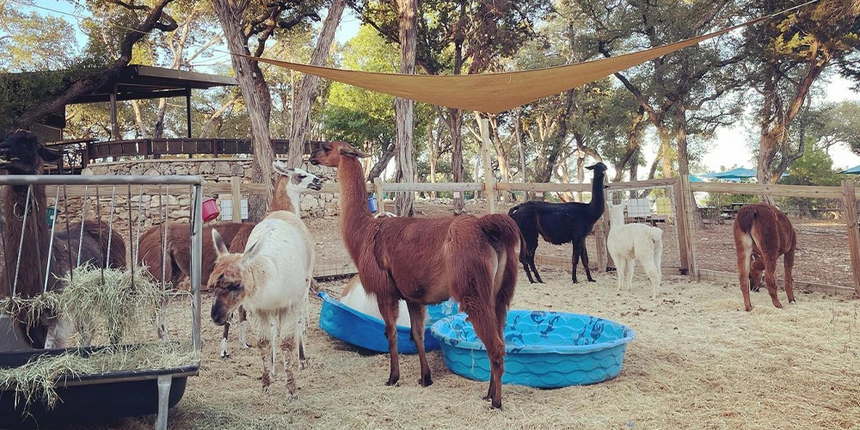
(629,242)
(271,280)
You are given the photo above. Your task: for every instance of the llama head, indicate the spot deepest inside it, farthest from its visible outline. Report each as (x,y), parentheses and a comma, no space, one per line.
(227,280)
(22,154)
(599,168)
(297,179)
(330,153)
(616,213)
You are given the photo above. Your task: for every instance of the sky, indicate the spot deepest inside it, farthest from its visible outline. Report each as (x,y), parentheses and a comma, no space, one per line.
(728,149)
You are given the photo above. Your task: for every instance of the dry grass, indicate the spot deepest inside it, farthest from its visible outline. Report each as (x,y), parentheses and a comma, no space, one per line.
(699,361)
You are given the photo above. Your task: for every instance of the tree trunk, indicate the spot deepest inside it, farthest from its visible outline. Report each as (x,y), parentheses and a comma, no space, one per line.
(302,105)
(683,156)
(521,151)
(258,103)
(403,108)
(380,165)
(138,120)
(434,155)
(455,123)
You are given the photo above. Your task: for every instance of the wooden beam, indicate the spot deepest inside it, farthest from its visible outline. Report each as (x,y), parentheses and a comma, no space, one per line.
(803,191)
(850,200)
(732,278)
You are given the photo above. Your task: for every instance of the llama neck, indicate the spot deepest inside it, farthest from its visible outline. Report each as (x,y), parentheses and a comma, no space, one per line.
(34,248)
(285,198)
(595,207)
(616,217)
(355,216)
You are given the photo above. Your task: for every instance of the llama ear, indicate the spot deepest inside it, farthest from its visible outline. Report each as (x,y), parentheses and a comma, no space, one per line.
(351,151)
(220,248)
(49,154)
(280,167)
(254,250)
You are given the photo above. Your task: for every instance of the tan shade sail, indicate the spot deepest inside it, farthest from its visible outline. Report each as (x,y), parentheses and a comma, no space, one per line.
(493,92)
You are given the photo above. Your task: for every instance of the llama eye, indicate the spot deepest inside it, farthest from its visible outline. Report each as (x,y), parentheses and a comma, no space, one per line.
(234,288)
(303,176)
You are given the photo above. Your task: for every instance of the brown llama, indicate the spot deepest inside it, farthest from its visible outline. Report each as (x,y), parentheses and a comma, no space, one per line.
(425,261)
(22,154)
(763,232)
(176,266)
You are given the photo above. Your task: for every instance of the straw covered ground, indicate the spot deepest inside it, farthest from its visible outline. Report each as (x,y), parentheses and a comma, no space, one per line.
(698,361)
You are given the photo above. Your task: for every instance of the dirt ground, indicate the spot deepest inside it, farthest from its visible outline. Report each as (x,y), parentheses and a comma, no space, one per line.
(698,360)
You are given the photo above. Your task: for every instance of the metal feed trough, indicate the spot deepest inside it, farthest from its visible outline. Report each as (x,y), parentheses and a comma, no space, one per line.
(120,202)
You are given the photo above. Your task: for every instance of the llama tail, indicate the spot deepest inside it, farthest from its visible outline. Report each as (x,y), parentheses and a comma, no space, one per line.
(745,218)
(501,230)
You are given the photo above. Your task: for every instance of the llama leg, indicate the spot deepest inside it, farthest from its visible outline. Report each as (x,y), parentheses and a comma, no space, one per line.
(628,276)
(620,271)
(487,329)
(288,347)
(788,265)
(743,249)
(224,353)
(534,268)
(266,352)
(583,255)
(770,278)
(243,327)
(525,262)
(574,257)
(389,308)
(416,319)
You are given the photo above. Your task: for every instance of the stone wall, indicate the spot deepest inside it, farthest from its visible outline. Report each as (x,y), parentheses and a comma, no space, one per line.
(213,170)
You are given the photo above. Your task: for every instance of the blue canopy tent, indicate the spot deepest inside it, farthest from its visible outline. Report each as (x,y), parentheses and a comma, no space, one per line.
(852,171)
(736,174)
(695,179)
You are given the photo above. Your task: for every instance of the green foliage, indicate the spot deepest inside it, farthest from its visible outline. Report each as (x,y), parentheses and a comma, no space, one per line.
(814,168)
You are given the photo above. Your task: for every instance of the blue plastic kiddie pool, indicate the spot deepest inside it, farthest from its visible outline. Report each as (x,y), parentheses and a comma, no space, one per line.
(352,326)
(543,349)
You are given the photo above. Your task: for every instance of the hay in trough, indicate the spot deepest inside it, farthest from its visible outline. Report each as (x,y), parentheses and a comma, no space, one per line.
(37,380)
(119,300)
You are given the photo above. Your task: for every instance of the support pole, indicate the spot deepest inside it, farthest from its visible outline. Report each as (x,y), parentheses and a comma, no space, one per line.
(849,198)
(489,175)
(236,197)
(685,206)
(377,188)
(114,124)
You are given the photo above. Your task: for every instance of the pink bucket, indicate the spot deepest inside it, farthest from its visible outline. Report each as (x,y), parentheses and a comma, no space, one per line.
(210,210)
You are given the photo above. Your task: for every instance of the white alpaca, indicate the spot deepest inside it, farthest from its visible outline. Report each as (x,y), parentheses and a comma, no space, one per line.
(634,241)
(355,297)
(271,279)
(289,185)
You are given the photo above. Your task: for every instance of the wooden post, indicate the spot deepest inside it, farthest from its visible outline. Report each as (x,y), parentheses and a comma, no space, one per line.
(849,198)
(489,175)
(685,227)
(601,233)
(377,188)
(236,197)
